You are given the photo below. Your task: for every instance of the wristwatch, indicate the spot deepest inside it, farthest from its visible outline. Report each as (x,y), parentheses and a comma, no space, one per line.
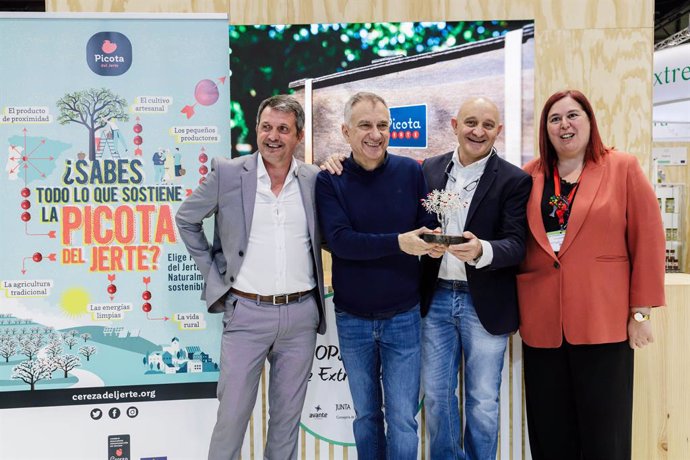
(640,317)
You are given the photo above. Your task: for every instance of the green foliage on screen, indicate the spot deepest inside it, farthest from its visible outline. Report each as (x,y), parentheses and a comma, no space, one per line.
(264,59)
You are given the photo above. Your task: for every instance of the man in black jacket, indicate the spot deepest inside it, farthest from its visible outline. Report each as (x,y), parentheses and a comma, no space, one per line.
(468,297)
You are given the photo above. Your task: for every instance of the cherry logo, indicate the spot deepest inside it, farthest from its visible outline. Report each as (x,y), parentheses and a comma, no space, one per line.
(118,452)
(108,47)
(109,53)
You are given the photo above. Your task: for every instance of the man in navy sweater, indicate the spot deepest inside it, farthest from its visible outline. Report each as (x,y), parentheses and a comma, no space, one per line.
(371,217)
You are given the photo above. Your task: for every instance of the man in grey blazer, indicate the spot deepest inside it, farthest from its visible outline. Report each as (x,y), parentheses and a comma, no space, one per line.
(264,273)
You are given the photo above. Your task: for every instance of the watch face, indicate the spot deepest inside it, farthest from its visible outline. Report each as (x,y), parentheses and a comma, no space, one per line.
(639,317)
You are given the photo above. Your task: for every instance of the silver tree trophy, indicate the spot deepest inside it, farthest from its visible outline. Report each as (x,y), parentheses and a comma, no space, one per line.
(442,203)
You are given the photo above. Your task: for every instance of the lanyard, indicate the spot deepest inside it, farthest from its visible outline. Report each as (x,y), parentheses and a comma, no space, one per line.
(560,203)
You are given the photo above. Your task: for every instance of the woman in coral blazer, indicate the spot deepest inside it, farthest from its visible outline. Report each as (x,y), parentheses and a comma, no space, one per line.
(594,268)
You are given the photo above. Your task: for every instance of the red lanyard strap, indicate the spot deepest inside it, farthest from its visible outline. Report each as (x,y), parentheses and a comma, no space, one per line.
(561,203)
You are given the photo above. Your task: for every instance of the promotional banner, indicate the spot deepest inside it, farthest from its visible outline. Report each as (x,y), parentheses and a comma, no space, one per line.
(107,124)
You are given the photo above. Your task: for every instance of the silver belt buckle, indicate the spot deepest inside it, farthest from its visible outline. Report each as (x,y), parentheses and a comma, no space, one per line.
(279,296)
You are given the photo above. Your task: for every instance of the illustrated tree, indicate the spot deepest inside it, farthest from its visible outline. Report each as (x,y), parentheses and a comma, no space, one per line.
(70,341)
(37,339)
(28,348)
(33,371)
(53,349)
(87,351)
(67,362)
(8,348)
(86,336)
(91,108)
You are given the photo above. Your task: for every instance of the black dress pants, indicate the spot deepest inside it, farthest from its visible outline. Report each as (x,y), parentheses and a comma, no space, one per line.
(579,401)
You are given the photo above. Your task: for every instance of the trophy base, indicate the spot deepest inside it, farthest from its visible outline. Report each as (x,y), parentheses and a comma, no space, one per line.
(443,239)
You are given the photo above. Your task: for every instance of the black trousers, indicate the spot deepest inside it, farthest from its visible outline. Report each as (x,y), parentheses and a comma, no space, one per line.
(579,401)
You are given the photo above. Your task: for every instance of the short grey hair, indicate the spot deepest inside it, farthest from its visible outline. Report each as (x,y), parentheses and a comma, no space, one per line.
(359,97)
(286,104)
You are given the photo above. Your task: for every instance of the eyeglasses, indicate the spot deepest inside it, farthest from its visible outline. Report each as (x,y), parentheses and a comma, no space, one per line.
(471,186)
(468,187)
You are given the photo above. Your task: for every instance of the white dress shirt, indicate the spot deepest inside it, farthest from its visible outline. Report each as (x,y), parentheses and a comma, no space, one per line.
(278,256)
(463,180)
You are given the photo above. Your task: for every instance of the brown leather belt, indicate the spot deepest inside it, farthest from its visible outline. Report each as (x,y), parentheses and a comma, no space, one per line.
(280,299)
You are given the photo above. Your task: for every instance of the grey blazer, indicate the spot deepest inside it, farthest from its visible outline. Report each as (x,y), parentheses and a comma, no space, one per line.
(229,193)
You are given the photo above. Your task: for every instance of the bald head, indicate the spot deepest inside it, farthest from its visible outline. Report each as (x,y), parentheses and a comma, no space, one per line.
(477,125)
(479,103)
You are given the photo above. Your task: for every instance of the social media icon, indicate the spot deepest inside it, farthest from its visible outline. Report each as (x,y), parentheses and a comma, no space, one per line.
(132,412)
(114,412)
(96,414)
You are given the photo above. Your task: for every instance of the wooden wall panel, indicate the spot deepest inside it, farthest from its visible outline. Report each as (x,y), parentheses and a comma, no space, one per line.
(553,14)
(613,67)
(661,417)
(594,14)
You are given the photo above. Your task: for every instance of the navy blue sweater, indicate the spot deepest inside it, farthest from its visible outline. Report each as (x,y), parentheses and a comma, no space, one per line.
(361,214)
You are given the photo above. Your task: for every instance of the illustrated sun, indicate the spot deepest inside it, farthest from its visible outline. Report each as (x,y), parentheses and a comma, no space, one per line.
(74,301)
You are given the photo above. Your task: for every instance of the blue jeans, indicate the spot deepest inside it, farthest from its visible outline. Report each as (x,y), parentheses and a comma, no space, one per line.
(451,331)
(376,352)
